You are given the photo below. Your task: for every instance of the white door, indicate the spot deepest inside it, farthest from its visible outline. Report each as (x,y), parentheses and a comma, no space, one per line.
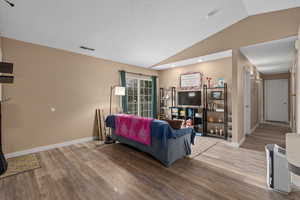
(247,103)
(276,100)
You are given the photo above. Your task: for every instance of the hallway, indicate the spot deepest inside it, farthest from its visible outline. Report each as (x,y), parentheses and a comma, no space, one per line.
(266,134)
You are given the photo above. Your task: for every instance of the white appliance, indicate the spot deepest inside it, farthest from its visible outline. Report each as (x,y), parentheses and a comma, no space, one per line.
(278,175)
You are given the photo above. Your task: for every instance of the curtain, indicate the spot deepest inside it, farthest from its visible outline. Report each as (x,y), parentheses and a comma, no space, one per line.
(124,98)
(154,97)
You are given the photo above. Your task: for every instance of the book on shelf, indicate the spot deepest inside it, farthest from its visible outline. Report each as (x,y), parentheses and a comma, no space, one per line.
(219,109)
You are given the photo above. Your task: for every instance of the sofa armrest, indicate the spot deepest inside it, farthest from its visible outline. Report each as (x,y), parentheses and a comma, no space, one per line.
(182,131)
(185,131)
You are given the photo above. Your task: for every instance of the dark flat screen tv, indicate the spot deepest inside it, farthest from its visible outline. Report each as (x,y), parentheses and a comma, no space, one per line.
(189,98)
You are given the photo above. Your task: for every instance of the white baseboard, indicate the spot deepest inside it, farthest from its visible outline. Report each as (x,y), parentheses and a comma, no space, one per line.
(48,147)
(254,128)
(276,123)
(237,145)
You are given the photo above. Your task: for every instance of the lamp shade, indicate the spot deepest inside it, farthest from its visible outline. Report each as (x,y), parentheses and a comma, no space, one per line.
(120,91)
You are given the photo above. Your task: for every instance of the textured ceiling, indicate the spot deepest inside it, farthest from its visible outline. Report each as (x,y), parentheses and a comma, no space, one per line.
(137,32)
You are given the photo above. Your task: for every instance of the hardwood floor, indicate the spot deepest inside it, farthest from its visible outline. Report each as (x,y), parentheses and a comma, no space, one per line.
(266,134)
(248,165)
(117,171)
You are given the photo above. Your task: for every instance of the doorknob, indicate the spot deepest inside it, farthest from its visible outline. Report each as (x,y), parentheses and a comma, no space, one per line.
(285,103)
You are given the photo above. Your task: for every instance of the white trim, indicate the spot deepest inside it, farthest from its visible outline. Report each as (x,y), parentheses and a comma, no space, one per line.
(254,128)
(283,124)
(139,79)
(48,147)
(247,101)
(237,145)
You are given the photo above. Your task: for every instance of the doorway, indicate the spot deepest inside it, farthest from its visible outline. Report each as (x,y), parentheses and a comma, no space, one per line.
(247,102)
(276,100)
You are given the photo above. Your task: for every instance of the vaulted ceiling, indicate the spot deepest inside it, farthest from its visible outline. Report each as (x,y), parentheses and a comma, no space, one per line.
(137,32)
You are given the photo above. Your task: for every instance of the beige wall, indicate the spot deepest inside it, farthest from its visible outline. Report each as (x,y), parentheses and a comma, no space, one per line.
(255,100)
(298,89)
(249,31)
(239,65)
(0,49)
(296,179)
(293,97)
(75,85)
(216,69)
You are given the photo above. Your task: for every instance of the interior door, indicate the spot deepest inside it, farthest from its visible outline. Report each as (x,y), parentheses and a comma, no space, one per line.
(247,103)
(276,100)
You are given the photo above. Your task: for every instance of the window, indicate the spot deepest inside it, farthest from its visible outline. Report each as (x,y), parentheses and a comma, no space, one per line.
(139,93)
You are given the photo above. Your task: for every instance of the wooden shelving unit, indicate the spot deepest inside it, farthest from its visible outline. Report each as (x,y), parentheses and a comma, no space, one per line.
(164,102)
(218,127)
(193,113)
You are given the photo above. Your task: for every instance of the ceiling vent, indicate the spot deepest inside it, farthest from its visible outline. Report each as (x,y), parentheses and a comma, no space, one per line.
(87,48)
(212,13)
(9,3)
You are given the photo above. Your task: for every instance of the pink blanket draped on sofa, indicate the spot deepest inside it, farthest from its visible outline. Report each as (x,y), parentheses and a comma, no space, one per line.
(134,128)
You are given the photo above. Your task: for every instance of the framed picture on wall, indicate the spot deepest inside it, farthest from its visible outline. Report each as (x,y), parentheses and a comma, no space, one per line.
(191,80)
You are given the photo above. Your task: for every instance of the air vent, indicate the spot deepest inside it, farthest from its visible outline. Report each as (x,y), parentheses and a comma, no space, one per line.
(10,3)
(87,48)
(212,13)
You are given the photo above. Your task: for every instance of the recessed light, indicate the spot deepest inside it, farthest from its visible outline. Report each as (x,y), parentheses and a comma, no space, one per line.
(200,60)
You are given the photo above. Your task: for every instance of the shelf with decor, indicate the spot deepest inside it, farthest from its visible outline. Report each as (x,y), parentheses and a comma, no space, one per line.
(166,97)
(215,114)
(190,116)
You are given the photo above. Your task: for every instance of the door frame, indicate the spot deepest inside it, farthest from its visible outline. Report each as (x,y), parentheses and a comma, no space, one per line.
(139,78)
(247,102)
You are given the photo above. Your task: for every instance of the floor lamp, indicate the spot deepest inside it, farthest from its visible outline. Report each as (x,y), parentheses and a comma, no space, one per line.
(119,91)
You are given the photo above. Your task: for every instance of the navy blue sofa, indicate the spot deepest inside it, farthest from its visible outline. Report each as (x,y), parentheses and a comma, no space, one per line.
(167,144)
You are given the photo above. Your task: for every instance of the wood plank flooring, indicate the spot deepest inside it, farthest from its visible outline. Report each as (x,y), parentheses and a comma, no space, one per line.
(266,134)
(249,161)
(87,172)
(249,165)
